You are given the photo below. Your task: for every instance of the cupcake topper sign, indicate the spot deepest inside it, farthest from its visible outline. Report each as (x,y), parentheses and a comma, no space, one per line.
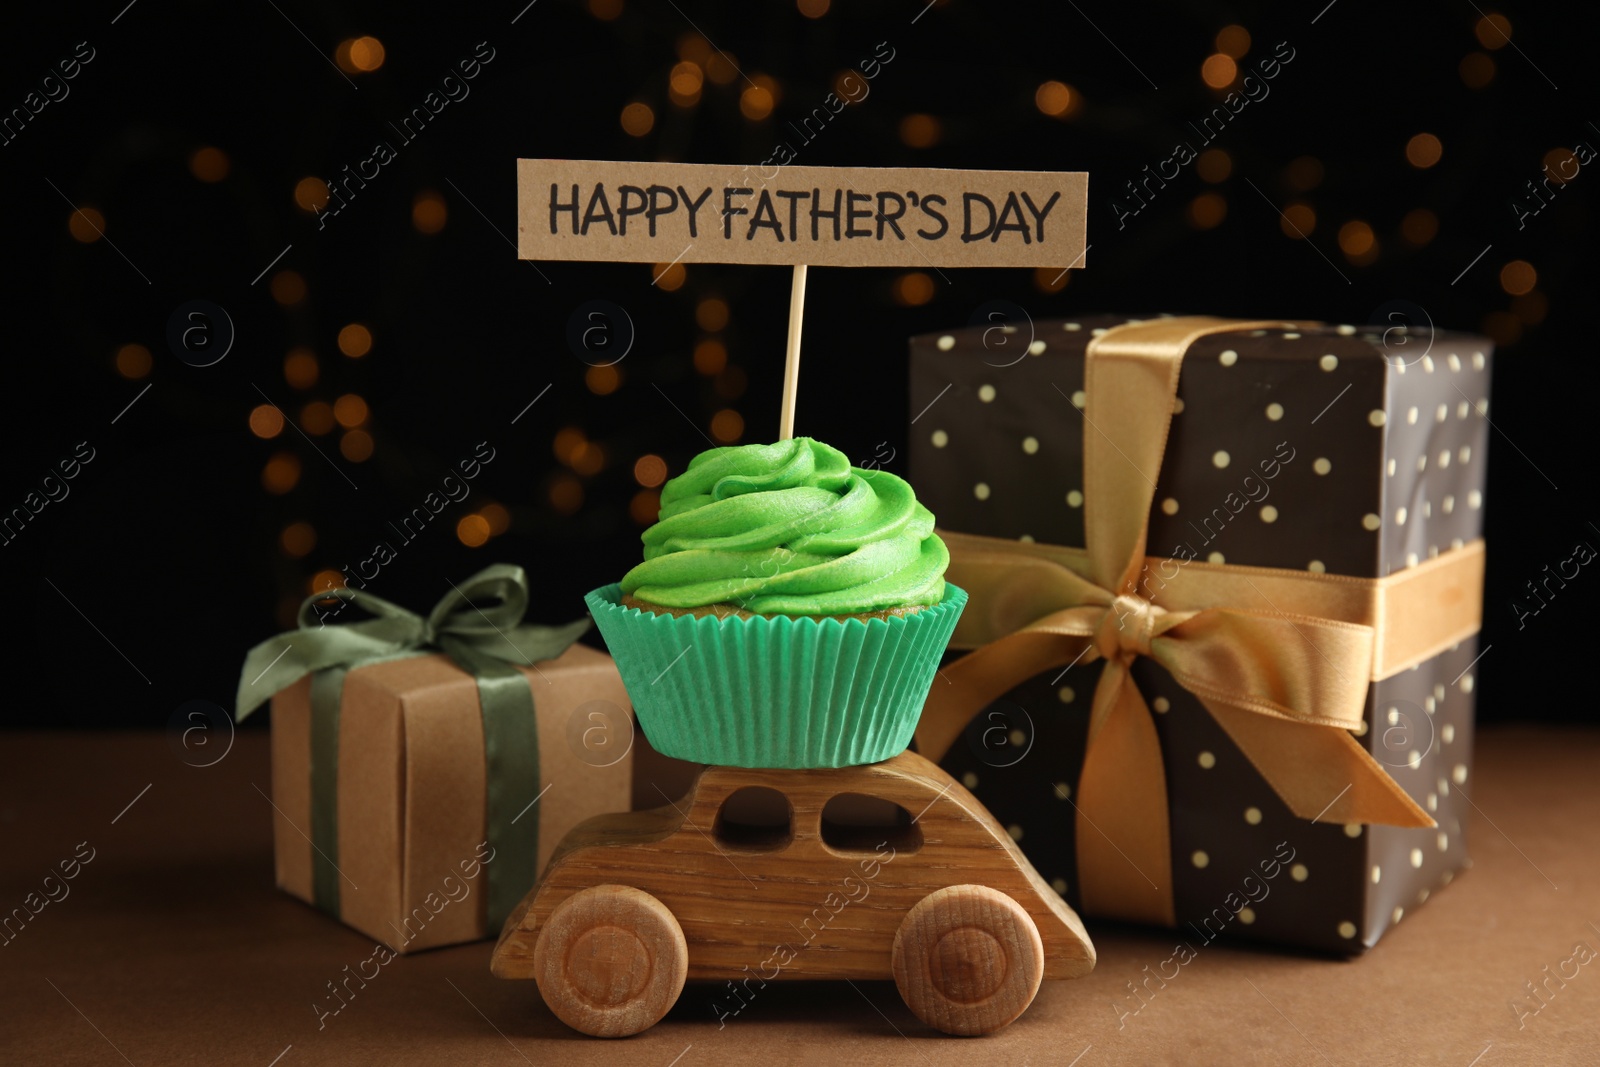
(829,216)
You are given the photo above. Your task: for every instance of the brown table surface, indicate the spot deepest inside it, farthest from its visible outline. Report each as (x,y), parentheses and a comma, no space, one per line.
(173,947)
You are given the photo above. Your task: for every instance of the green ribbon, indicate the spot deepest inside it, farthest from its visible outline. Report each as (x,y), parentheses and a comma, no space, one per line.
(484,641)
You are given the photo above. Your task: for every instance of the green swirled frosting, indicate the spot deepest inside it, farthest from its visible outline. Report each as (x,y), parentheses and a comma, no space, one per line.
(789,529)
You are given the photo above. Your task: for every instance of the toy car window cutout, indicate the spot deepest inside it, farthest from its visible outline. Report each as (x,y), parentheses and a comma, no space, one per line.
(755,819)
(854,822)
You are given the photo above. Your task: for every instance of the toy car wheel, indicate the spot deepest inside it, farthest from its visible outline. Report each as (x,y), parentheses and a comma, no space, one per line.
(610,961)
(967,959)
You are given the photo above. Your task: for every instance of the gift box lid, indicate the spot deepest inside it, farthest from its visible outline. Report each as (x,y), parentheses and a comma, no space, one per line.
(1316,447)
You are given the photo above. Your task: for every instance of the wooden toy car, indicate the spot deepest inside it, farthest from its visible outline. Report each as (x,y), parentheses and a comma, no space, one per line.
(889,869)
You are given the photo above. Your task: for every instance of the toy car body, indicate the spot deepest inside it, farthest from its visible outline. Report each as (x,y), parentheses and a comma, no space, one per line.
(939,898)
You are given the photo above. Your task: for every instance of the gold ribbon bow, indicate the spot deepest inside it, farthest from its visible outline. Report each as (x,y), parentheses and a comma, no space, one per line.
(1283,667)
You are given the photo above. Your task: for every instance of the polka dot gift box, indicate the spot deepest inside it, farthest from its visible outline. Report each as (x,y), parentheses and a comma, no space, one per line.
(1226,580)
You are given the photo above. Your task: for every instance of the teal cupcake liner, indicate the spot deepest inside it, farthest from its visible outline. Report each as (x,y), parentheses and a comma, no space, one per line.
(792,692)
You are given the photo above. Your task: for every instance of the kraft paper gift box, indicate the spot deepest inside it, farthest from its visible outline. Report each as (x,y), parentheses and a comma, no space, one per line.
(1320,489)
(391,810)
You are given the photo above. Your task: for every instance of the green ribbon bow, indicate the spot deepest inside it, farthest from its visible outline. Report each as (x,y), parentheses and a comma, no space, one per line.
(485,642)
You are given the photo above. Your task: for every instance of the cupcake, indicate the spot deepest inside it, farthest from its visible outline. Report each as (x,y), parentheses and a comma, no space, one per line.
(790,611)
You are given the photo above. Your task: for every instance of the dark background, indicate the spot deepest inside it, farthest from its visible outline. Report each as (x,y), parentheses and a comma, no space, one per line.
(144,588)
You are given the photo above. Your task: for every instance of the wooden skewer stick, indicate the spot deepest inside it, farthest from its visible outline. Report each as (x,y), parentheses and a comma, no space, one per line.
(791,362)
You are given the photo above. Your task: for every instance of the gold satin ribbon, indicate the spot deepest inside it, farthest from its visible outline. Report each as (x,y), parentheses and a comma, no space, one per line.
(1281,659)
